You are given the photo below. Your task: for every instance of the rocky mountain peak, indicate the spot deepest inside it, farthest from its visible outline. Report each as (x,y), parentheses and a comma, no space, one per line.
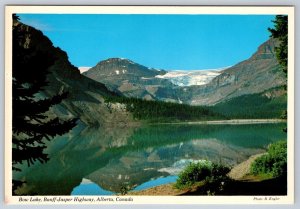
(116,61)
(115,69)
(266,50)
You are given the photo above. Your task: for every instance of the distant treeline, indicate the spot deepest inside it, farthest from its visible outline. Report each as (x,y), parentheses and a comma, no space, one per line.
(158,111)
(252,106)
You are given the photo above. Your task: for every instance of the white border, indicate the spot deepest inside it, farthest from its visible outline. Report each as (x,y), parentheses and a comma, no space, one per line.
(289,199)
(241,10)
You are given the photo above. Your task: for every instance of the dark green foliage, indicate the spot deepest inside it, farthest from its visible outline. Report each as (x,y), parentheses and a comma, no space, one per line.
(218,181)
(281,32)
(252,106)
(30,123)
(213,174)
(158,111)
(274,163)
(193,173)
(16,17)
(218,170)
(125,188)
(283,115)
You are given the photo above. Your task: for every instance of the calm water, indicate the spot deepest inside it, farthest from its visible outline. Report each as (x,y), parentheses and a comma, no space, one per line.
(102,161)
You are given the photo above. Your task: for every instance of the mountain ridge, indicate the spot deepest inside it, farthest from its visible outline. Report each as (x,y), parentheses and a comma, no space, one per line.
(254,75)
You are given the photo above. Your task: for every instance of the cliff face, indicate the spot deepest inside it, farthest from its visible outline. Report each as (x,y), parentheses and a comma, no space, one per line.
(86,97)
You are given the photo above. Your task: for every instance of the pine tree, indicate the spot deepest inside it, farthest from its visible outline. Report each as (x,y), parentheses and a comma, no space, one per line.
(281,32)
(31,124)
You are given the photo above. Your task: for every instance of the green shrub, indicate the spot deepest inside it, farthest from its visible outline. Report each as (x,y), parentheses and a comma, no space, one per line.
(125,188)
(274,163)
(200,171)
(192,173)
(219,171)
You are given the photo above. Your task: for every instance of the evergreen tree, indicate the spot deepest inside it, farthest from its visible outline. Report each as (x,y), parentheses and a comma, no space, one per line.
(281,32)
(31,124)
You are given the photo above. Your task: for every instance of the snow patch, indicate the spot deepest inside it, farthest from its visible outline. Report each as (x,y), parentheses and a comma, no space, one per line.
(83,69)
(128,60)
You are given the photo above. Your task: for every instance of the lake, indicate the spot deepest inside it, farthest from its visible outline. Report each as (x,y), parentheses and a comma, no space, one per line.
(101,161)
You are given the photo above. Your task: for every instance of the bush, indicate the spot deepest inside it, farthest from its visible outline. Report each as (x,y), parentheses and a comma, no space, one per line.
(200,171)
(219,171)
(274,163)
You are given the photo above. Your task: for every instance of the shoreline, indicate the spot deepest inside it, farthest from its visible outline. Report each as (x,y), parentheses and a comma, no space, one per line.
(238,172)
(229,122)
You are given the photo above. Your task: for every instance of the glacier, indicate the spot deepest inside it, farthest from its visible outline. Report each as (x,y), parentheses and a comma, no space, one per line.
(191,77)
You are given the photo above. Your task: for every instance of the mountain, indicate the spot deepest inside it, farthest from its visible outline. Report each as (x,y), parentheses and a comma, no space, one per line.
(131,79)
(258,74)
(86,97)
(96,105)
(134,80)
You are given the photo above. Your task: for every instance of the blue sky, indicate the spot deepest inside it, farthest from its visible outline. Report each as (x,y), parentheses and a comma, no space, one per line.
(171,42)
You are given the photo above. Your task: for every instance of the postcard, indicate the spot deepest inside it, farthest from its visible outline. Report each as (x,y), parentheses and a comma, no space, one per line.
(149,105)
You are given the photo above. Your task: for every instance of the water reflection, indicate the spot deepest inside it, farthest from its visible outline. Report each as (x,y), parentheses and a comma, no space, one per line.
(111,157)
(88,187)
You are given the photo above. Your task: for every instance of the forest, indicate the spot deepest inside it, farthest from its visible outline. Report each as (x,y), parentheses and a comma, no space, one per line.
(158,111)
(252,106)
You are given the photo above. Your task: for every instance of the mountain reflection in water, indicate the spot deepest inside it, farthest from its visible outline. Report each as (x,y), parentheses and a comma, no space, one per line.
(112,158)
